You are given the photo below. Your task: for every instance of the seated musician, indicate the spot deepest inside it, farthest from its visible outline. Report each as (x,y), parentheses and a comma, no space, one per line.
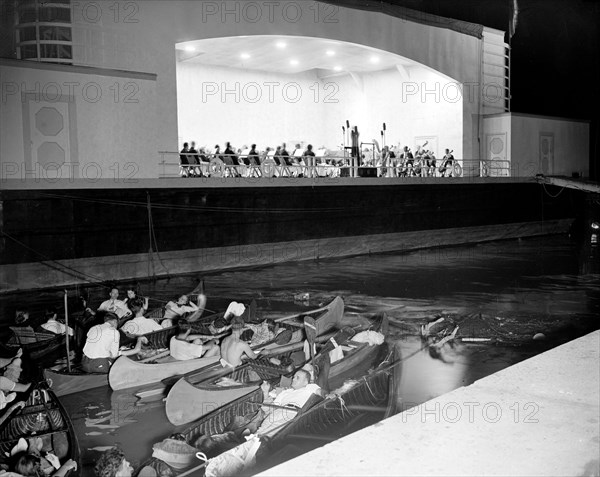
(102,346)
(186,346)
(140,325)
(447,162)
(233,347)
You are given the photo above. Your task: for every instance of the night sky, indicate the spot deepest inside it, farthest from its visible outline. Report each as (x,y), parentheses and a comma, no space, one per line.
(555,53)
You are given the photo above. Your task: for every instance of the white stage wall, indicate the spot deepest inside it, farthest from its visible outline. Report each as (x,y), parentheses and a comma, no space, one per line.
(218,104)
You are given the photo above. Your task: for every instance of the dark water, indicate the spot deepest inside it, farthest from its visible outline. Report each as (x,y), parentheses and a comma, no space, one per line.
(552,283)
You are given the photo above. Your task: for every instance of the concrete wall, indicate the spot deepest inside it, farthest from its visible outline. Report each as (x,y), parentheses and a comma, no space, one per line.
(141,37)
(242,111)
(70,122)
(536,145)
(549,146)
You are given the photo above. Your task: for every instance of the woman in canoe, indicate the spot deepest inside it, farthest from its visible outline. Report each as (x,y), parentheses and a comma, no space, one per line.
(133,297)
(183,307)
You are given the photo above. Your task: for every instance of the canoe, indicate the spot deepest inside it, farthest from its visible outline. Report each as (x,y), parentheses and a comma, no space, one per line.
(336,415)
(128,373)
(42,415)
(367,402)
(36,345)
(319,320)
(358,357)
(196,394)
(63,383)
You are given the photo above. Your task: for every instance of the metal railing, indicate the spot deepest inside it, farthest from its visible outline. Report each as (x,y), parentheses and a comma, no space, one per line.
(224,165)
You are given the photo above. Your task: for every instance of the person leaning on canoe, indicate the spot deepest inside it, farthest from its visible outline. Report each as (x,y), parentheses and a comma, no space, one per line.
(102,346)
(180,307)
(186,346)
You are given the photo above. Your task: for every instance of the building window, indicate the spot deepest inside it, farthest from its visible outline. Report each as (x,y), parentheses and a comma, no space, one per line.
(48,25)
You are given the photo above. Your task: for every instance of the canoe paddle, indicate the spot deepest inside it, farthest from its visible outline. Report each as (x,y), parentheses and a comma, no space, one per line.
(282,338)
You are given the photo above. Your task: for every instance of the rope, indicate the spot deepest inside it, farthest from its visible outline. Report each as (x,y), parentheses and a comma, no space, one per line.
(550,195)
(55,265)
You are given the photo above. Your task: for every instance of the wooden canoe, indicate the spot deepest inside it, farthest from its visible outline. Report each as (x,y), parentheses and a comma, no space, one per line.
(319,320)
(42,415)
(195,394)
(63,383)
(128,373)
(211,424)
(330,416)
(193,397)
(359,357)
(36,345)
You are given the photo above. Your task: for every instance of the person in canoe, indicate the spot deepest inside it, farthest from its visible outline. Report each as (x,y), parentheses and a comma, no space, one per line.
(265,419)
(186,346)
(140,325)
(112,463)
(10,372)
(233,347)
(132,297)
(102,346)
(114,305)
(53,325)
(183,307)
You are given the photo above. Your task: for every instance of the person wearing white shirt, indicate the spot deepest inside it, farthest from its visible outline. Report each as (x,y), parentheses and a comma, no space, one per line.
(114,305)
(55,326)
(140,325)
(294,398)
(102,346)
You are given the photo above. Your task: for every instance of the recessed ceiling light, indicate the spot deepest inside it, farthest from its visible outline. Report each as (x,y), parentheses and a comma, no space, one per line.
(374,59)
(294,62)
(281,45)
(337,68)
(245,56)
(330,52)
(190,48)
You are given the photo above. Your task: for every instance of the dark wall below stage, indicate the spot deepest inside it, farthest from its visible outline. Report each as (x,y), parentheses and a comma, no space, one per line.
(54,225)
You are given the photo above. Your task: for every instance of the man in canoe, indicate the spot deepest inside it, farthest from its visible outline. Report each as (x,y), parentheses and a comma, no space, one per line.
(186,346)
(102,346)
(233,347)
(114,305)
(140,325)
(283,406)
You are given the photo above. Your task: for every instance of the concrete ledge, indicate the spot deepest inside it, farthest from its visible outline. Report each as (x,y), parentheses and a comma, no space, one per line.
(36,275)
(537,418)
